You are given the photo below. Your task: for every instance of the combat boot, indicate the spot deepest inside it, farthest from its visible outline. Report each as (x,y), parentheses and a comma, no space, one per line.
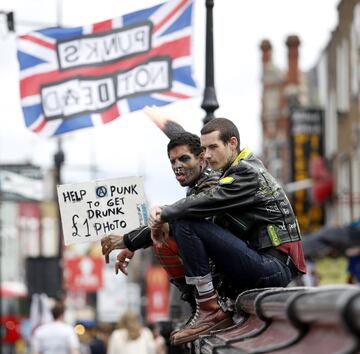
(208,316)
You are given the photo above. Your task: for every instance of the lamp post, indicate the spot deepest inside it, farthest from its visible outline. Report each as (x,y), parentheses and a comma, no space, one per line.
(210,103)
(8,18)
(59,158)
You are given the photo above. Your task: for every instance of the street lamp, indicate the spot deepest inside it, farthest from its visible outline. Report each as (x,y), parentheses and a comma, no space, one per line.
(59,158)
(210,103)
(8,18)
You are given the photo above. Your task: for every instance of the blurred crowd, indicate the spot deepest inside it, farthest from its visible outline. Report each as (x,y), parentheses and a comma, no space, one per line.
(50,332)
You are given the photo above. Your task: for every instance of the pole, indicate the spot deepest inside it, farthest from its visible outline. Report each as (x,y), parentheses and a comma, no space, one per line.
(59,159)
(210,103)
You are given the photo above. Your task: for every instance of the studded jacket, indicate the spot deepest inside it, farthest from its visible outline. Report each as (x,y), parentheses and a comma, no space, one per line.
(141,237)
(247,201)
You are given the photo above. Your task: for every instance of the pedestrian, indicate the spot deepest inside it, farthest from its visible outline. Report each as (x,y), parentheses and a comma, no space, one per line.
(55,337)
(131,337)
(97,343)
(254,240)
(160,343)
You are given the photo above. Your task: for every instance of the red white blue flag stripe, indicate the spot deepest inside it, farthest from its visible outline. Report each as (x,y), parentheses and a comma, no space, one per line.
(74,78)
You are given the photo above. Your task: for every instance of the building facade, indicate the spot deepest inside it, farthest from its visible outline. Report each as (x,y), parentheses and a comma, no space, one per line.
(292,131)
(338,87)
(311,124)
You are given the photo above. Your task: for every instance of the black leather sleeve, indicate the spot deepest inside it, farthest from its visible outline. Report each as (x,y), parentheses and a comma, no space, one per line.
(138,238)
(238,193)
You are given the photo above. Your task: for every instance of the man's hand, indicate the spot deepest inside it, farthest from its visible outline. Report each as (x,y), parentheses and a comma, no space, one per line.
(123,259)
(154,217)
(155,225)
(111,242)
(160,235)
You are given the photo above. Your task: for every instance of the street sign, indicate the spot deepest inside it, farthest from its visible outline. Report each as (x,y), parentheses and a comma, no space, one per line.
(19,182)
(157,294)
(84,273)
(117,296)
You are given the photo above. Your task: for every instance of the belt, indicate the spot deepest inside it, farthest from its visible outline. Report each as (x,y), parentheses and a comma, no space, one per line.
(284,258)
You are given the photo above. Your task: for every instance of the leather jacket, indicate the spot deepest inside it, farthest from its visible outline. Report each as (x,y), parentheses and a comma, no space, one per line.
(141,237)
(247,201)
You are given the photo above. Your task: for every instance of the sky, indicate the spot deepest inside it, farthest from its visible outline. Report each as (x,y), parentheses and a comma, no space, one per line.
(132,145)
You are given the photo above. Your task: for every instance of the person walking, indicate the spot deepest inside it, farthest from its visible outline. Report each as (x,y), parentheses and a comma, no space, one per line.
(55,337)
(131,337)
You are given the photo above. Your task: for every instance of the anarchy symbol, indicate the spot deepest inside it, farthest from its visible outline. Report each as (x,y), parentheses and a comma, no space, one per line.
(101,191)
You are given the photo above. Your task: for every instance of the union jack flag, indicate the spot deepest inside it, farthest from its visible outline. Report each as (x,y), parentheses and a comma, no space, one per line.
(74,78)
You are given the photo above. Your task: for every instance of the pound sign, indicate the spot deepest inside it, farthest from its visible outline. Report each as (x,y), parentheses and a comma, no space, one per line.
(75,233)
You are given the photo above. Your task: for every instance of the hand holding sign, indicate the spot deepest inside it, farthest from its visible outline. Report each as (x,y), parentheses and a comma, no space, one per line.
(110,243)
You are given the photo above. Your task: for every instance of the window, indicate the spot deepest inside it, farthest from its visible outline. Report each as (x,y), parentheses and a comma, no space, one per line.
(343,188)
(355,178)
(355,52)
(342,76)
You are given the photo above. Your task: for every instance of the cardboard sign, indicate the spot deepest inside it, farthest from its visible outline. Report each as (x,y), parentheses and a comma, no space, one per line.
(91,210)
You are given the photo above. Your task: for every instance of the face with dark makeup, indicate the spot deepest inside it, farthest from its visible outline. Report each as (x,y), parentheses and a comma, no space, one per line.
(186,166)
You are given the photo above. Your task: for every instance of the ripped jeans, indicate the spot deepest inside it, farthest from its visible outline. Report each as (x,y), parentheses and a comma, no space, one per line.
(198,240)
